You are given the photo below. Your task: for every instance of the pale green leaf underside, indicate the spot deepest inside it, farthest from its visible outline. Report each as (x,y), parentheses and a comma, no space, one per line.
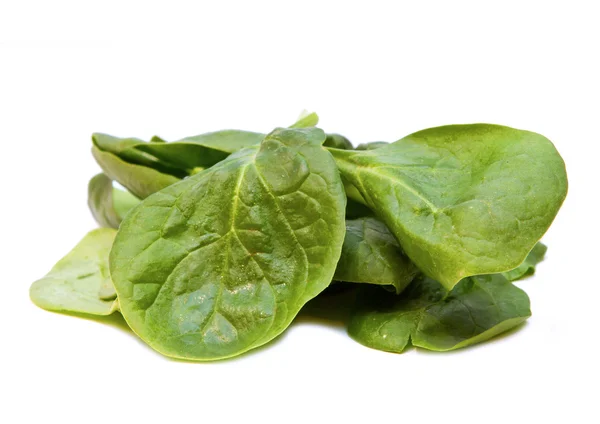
(477,309)
(464,199)
(108,204)
(371,254)
(80,282)
(221,262)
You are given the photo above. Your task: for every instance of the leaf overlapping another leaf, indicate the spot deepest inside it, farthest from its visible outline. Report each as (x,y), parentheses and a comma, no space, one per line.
(464,199)
(221,262)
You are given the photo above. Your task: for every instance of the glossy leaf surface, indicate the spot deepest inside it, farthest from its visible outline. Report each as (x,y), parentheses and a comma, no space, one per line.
(222,261)
(464,199)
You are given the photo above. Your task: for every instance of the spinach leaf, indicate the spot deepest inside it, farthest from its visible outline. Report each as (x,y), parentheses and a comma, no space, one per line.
(477,309)
(463,199)
(306,120)
(371,254)
(201,151)
(108,204)
(528,266)
(180,158)
(128,150)
(140,180)
(80,282)
(222,261)
(372,145)
(337,142)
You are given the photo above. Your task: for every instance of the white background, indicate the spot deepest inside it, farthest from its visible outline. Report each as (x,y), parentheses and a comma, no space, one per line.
(373,71)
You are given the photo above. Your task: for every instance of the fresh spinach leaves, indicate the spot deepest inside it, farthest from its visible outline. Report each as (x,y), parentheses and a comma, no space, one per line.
(220,239)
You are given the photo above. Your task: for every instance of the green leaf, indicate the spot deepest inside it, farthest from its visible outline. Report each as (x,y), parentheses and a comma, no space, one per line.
(201,151)
(80,282)
(464,199)
(337,142)
(129,150)
(477,309)
(306,120)
(222,261)
(140,180)
(371,254)
(528,266)
(108,204)
(372,145)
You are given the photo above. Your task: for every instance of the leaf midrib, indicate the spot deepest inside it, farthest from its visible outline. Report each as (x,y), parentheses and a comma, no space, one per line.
(434,209)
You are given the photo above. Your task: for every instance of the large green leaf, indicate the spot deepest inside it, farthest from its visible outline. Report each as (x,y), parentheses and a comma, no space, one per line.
(222,261)
(140,180)
(464,199)
(108,204)
(371,254)
(477,309)
(80,282)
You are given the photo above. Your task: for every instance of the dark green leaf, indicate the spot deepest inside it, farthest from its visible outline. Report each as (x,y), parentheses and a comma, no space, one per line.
(477,309)
(371,254)
(201,151)
(129,150)
(337,142)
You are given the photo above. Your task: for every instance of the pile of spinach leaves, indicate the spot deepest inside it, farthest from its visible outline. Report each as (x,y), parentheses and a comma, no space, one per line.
(218,240)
